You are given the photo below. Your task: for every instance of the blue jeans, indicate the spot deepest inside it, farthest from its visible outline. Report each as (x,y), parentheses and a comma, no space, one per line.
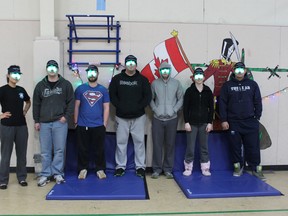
(53,145)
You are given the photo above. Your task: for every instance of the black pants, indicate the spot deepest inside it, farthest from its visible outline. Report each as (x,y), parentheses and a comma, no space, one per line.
(91,144)
(245,133)
(9,136)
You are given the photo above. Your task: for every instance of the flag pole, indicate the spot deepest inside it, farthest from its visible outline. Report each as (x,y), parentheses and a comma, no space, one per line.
(174,33)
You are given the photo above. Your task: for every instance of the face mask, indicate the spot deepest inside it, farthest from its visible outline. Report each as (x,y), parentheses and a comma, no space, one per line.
(165,71)
(91,73)
(15,76)
(239,70)
(52,69)
(199,77)
(130,63)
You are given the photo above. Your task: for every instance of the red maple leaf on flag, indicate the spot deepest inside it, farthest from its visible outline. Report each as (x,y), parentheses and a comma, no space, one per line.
(157,63)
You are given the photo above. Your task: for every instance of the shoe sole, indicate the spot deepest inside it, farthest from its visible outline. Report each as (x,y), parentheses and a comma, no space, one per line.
(139,175)
(261,178)
(45,183)
(3,187)
(119,175)
(23,184)
(237,175)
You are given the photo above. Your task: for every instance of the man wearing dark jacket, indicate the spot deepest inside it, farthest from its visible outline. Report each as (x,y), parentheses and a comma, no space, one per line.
(130,93)
(53,105)
(240,111)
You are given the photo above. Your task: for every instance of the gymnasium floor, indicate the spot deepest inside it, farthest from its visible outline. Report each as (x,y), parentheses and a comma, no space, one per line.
(166,198)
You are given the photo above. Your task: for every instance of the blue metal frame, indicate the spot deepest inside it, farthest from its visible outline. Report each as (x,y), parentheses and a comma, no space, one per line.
(110,25)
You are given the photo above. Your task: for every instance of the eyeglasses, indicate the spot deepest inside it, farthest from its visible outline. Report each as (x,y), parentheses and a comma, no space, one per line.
(15,76)
(239,70)
(199,76)
(91,73)
(52,68)
(132,63)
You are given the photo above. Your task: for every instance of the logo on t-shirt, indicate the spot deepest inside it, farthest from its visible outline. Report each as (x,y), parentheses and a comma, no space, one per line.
(21,95)
(92,97)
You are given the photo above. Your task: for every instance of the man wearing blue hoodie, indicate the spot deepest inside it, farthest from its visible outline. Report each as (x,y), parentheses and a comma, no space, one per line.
(240,111)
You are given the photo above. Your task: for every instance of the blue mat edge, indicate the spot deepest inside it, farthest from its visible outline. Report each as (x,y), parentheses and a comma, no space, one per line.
(225,195)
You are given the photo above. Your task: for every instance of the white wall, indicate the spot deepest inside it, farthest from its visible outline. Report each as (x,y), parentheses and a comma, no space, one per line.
(261,27)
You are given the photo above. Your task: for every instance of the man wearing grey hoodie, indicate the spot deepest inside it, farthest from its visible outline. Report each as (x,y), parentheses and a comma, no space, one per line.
(167,100)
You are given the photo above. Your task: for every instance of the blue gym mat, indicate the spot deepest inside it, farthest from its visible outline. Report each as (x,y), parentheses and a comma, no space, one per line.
(222,183)
(127,187)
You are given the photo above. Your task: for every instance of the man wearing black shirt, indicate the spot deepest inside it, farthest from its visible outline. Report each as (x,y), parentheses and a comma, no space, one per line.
(130,93)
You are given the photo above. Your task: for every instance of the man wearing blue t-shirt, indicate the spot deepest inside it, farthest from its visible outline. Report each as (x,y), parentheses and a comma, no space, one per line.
(90,116)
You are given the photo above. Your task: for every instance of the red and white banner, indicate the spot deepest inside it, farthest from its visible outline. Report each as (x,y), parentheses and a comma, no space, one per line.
(168,51)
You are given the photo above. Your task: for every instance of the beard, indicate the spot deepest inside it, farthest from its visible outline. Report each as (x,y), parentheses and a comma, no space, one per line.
(92,79)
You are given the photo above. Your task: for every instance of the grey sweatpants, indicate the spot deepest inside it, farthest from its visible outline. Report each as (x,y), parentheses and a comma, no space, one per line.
(203,143)
(9,135)
(164,137)
(136,127)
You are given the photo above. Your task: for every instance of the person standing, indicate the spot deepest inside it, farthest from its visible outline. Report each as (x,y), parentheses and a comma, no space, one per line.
(130,93)
(13,127)
(167,100)
(198,116)
(240,111)
(53,105)
(91,116)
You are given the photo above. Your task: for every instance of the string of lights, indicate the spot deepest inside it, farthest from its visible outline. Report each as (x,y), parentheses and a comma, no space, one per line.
(277,93)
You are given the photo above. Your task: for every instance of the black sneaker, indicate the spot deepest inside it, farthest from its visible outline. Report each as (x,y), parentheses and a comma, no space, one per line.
(3,186)
(23,183)
(119,172)
(140,172)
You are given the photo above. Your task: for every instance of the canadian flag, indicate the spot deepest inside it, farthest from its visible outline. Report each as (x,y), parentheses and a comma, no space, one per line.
(168,51)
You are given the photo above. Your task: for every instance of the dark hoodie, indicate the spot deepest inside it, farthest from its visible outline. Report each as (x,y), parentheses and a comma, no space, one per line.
(240,100)
(130,94)
(51,104)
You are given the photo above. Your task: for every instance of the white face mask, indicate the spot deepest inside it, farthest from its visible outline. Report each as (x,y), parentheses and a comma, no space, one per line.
(239,71)
(15,76)
(52,69)
(130,63)
(199,77)
(164,71)
(91,73)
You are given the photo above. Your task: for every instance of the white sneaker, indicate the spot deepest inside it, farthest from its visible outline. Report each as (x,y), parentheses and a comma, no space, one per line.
(101,174)
(82,174)
(206,172)
(59,179)
(43,180)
